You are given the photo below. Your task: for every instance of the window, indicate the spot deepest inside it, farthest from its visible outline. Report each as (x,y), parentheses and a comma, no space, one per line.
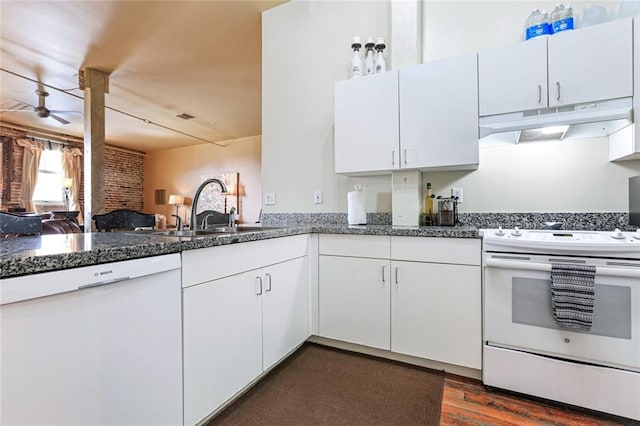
(49,186)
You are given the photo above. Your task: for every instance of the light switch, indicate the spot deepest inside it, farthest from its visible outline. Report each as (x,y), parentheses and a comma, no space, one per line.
(269,198)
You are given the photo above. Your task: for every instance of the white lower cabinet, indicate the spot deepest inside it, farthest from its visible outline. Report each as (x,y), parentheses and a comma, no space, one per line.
(222,342)
(436,311)
(238,326)
(354,300)
(285,322)
(413,296)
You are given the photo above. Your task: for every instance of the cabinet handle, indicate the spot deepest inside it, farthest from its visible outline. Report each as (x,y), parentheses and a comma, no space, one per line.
(393,158)
(405,157)
(258,286)
(557,90)
(396,275)
(383,267)
(539,93)
(101,283)
(268,285)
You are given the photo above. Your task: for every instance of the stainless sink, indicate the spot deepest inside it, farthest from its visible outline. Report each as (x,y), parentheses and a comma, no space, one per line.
(187,233)
(218,230)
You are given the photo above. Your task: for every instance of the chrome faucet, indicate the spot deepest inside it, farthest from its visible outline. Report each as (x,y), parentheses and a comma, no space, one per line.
(194,206)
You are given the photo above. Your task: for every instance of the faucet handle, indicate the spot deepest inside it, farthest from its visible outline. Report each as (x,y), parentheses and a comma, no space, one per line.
(232,216)
(179,226)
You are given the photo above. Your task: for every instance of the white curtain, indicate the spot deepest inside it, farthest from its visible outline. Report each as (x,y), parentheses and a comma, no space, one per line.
(30,165)
(72,166)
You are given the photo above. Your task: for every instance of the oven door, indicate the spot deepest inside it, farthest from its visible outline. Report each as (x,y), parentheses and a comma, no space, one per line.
(518,313)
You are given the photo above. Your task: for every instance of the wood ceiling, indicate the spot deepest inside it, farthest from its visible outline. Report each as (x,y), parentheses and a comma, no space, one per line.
(165,58)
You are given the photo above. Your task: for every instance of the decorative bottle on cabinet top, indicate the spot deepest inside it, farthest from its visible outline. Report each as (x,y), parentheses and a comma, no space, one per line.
(369,62)
(356,61)
(561,18)
(381,64)
(537,24)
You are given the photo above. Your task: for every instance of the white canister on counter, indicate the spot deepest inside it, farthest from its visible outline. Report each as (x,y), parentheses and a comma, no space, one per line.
(356,206)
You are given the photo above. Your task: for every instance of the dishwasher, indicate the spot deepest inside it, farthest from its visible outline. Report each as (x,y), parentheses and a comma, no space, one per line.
(100,344)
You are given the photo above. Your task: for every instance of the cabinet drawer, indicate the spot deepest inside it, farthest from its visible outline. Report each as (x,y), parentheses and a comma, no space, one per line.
(463,251)
(211,263)
(355,245)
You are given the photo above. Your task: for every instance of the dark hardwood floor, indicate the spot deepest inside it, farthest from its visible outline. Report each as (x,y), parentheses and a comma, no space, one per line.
(468,402)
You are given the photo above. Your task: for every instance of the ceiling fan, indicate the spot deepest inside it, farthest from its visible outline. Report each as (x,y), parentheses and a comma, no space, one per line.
(41,111)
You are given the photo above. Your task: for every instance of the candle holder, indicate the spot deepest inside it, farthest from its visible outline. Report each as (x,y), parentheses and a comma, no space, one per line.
(67,183)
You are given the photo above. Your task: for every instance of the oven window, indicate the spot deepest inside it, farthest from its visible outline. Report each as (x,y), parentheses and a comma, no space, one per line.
(531,305)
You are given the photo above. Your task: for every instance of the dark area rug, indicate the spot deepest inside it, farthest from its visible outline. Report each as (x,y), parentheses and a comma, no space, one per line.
(325,386)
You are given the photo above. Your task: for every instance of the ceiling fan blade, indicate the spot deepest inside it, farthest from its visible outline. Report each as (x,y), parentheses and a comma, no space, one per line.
(23,103)
(15,110)
(59,119)
(57,111)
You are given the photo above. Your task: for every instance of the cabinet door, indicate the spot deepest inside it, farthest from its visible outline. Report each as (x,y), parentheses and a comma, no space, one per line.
(436,312)
(591,64)
(513,78)
(439,113)
(222,322)
(366,123)
(285,302)
(354,300)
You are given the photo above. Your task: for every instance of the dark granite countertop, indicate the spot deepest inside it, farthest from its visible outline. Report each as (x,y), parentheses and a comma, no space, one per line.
(29,255)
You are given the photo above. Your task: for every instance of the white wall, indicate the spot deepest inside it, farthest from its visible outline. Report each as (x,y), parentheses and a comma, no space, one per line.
(306,49)
(568,176)
(180,171)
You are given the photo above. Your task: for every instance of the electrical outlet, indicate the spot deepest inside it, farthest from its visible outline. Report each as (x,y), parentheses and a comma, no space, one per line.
(457,192)
(269,198)
(317,197)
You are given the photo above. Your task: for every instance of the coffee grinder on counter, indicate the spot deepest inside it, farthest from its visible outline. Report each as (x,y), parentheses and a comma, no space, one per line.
(447,211)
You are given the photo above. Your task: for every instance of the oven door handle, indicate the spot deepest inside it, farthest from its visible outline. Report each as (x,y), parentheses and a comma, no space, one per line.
(546,267)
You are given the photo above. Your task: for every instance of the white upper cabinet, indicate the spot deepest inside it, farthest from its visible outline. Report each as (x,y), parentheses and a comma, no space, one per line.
(513,78)
(591,64)
(439,114)
(585,65)
(366,123)
(422,117)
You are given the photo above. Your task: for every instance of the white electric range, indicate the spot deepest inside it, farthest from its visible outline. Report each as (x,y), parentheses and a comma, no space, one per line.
(524,347)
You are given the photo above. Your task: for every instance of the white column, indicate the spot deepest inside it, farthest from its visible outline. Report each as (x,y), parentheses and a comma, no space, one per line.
(406,33)
(96,84)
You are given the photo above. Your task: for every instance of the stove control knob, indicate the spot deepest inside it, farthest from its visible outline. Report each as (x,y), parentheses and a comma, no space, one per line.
(516,232)
(500,231)
(617,234)
(636,235)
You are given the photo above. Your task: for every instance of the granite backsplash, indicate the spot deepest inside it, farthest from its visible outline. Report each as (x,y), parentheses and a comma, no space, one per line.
(573,221)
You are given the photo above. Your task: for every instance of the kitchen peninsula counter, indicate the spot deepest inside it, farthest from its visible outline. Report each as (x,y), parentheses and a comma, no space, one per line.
(30,255)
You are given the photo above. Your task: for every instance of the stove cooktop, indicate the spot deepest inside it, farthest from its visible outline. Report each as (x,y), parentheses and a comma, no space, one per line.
(591,243)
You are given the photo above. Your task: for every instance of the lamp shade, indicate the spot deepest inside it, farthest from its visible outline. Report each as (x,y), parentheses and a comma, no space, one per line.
(176,200)
(67,182)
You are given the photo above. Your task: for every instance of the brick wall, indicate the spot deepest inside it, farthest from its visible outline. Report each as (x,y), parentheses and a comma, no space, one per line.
(124,180)
(124,177)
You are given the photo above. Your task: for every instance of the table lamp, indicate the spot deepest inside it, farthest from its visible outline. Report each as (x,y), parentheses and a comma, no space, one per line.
(176,200)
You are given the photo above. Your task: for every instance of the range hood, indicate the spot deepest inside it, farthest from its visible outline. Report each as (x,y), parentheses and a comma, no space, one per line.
(591,119)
